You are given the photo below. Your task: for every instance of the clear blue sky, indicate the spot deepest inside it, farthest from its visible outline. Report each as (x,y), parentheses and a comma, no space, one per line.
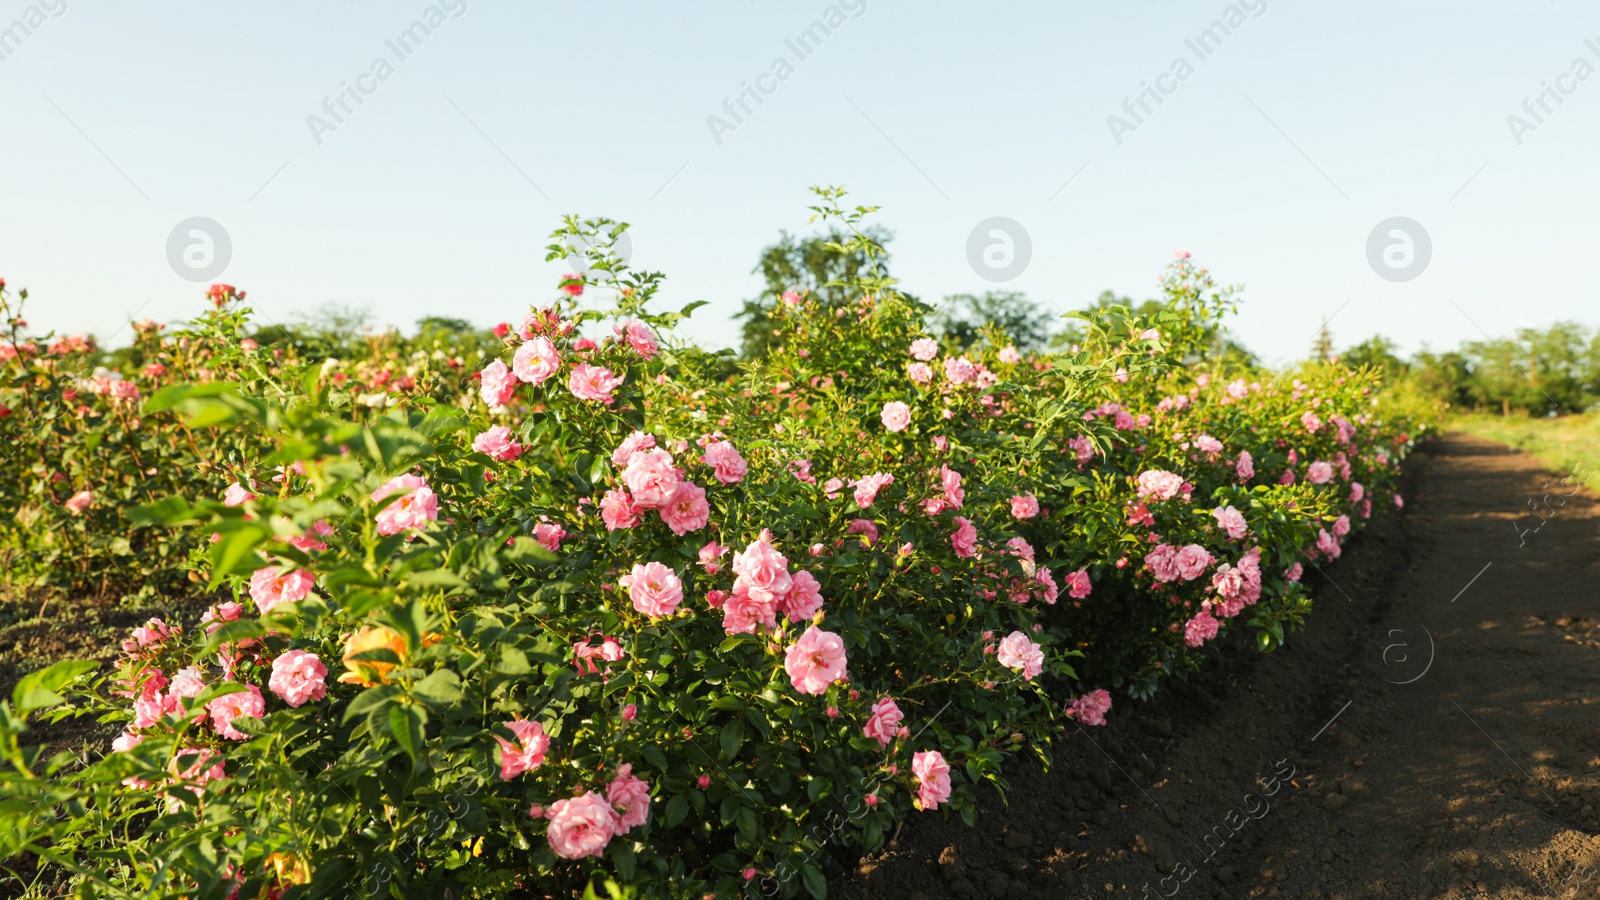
(1271,161)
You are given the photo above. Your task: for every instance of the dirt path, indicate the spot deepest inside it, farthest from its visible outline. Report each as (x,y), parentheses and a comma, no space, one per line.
(1438,715)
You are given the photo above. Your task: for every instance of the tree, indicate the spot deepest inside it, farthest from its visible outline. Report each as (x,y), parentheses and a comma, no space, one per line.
(1322,344)
(814,265)
(962,317)
(1377,352)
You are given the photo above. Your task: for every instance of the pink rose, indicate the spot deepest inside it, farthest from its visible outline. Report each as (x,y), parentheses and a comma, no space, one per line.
(1091,708)
(311,540)
(804,597)
(247,703)
(1047,584)
(1327,544)
(933,778)
(236,495)
(709,554)
(965,538)
(1231,521)
(1200,629)
(188,682)
(954,495)
(617,509)
(1163,563)
(651,478)
(1024,506)
(1205,443)
(1017,652)
(630,796)
(896,415)
(919,373)
(1341,526)
(1010,356)
(637,336)
(1078,584)
(815,661)
(959,370)
(528,751)
(762,571)
(725,462)
(1399,502)
(1245,467)
(1192,561)
(549,535)
(742,612)
(924,349)
(1310,421)
(270,586)
(654,589)
(418,507)
(864,527)
(593,383)
(498,443)
(687,510)
(1294,572)
(498,384)
(1159,484)
(581,826)
(884,723)
(79,503)
(535,361)
(630,445)
(299,677)
(1357,492)
(867,488)
(1319,472)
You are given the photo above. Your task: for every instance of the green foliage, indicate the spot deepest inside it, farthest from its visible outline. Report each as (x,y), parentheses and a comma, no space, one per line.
(1019,322)
(465,564)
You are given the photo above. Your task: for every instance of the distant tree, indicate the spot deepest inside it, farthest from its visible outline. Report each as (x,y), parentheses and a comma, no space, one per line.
(337,320)
(810,264)
(1322,344)
(962,318)
(1377,352)
(444,323)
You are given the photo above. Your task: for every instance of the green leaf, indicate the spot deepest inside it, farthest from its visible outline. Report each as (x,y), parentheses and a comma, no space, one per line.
(512,661)
(38,691)
(169,511)
(442,687)
(816,885)
(527,550)
(371,699)
(622,854)
(435,578)
(677,808)
(732,736)
(236,553)
(405,723)
(654,756)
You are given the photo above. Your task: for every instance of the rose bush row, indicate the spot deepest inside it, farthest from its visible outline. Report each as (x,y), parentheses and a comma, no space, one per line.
(605,617)
(79,450)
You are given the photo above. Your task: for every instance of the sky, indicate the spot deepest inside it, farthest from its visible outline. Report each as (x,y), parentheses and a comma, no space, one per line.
(1282,139)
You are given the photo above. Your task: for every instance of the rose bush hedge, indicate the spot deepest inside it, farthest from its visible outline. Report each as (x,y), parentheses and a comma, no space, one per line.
(606,621)
(79,450)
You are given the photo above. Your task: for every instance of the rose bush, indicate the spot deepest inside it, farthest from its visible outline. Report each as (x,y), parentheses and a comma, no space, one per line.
(79,450)
(608,614)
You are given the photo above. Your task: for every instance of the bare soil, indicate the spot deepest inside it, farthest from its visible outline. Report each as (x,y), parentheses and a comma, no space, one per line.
(1434,725)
